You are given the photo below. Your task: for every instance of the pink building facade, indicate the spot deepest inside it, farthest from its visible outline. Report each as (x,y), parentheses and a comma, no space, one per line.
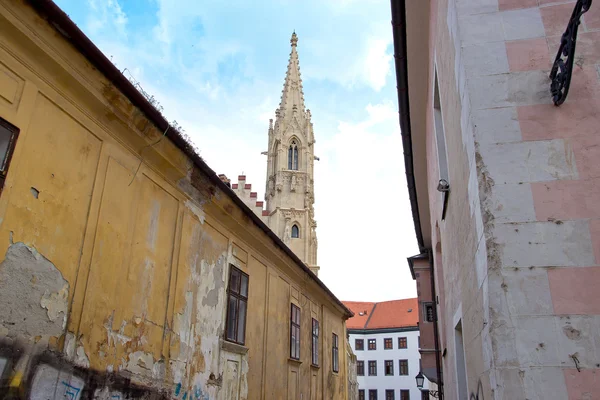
(505,191)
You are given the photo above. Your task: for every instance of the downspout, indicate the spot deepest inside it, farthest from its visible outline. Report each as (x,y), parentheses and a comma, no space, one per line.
(436,335)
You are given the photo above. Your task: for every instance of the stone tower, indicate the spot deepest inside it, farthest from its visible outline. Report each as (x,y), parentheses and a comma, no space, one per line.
(290,185)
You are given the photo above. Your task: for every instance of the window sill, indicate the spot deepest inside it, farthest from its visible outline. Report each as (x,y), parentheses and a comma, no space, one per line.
(295,361)
(313,366)
(233,347)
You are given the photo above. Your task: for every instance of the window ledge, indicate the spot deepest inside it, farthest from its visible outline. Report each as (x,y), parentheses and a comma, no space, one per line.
(233,347)
(313,366)
(293,360)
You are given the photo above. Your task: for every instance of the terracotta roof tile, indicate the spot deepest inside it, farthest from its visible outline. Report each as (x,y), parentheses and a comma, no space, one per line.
(358,307)
(385,314)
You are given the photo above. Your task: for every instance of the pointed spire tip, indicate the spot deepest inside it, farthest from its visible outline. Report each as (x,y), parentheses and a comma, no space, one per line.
(294,39)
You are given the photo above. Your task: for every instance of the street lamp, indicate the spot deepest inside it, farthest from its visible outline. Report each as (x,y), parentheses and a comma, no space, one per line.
(420,379)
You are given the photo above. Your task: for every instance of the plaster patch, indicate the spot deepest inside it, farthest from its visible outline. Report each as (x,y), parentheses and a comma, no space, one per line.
(153,228)
(212,295)
(33,294)
(197,211)
(82,359)
(114,337)
(75,354)
(140,363)
(56,304)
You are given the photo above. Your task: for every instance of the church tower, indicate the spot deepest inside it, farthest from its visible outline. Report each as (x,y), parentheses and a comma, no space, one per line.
(290,185)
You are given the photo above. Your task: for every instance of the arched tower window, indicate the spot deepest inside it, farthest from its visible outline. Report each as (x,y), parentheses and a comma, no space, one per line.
(295,231)
(293,156)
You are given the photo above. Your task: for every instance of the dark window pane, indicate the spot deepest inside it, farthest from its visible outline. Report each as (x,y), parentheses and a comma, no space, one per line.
(372,344)
(295,231)
(315,342)
(389,395)
(231,318)
(5,138)
(404,395)
(241,330)
(234,282)
(360,368)
(359,344)
(403,367)
(295,157)
(373,368)
(236,306)
(361,394)
(290,155)
(387,343)
(429,317)
(295,332)
(389,367)
(373,394)
(402,344)
(334,353)
(8,139)
(244,289)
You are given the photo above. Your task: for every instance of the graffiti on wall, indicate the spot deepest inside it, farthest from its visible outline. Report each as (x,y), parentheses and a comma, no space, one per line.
(50,376)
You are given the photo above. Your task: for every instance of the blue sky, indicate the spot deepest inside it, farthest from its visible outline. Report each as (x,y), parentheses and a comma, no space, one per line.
(217,68)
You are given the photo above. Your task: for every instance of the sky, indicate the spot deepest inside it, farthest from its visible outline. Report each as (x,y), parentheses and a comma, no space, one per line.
(217,68)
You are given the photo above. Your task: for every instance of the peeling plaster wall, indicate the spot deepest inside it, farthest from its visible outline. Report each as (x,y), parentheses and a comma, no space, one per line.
(516,258)
(115,269)
(33,294)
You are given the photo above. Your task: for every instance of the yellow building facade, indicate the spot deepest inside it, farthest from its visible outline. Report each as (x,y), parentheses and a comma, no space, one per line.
(119,244)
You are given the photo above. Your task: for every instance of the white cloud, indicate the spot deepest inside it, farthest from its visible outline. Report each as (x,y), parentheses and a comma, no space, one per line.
(366,63)
(106,14)
(365,226)
(377,62)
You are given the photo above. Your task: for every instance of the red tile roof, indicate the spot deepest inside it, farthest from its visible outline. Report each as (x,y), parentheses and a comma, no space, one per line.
(358,308)
(385,314)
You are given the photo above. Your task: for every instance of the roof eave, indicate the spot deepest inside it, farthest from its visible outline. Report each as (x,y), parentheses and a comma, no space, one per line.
(401,45)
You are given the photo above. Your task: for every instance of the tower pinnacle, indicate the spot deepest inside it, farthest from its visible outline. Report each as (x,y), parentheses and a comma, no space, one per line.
(292,94)
(294,39)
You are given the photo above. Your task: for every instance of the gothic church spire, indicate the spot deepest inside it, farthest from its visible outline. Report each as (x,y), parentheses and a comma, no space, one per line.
(292,94)
(290,169)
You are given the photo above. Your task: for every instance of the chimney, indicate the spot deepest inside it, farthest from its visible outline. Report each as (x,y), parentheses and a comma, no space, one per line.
(225,180)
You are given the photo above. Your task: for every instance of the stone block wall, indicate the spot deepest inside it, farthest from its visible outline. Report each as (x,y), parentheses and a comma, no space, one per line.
(523,282)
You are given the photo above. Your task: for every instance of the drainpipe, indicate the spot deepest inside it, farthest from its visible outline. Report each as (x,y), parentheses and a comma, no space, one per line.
(436,336)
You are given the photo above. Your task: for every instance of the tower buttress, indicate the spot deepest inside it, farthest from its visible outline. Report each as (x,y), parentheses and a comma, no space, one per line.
(290,168)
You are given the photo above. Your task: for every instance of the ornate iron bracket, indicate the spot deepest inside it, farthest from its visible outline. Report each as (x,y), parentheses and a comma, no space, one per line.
(563,63)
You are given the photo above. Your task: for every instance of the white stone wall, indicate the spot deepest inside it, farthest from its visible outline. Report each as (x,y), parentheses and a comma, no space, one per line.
(381,382)
(505,234)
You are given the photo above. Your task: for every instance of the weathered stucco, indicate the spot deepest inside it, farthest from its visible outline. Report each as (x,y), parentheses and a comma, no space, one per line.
(33,294)
(117,262)
(516,255)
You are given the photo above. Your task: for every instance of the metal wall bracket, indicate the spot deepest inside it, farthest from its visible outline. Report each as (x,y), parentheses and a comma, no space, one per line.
(563,63)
